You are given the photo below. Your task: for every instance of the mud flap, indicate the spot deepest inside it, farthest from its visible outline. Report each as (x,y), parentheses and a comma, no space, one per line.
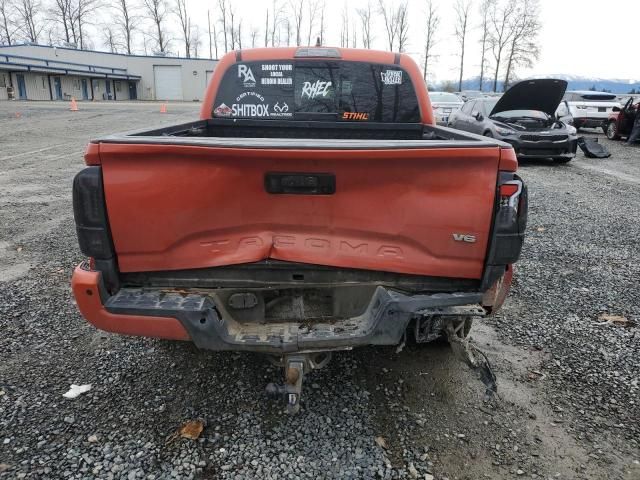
(468,353)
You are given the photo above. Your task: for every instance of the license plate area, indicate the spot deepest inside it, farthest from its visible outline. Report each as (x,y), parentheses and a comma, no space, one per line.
(300,183)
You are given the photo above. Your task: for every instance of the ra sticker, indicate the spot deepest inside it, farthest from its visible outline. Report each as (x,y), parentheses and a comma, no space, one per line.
(245,73)
(314,90)
(391,77)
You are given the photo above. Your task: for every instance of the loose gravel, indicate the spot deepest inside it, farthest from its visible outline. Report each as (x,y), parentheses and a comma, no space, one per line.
(568,383)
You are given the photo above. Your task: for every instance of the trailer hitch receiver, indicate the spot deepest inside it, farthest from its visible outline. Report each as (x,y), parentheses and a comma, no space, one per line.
(295,368)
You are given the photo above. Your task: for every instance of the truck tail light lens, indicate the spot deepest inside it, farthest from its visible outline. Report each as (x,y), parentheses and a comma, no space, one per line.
(90,214)
(510,193)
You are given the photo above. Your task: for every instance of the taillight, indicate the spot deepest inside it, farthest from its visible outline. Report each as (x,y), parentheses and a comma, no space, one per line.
(90,214)
(510,193)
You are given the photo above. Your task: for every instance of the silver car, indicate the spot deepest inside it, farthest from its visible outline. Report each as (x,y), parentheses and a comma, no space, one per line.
(444,104)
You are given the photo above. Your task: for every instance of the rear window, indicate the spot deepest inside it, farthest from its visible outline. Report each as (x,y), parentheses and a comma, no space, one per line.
(590,97)
(317,90)
(443,97)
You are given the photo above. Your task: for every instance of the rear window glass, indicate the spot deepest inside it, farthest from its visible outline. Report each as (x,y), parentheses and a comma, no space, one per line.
(443,97)
(317,90)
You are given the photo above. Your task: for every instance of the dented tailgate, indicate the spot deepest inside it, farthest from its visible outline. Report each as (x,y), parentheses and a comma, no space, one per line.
(417,210)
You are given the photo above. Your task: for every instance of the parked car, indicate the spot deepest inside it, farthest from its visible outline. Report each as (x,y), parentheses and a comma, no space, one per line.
(443,103)
(523,117)
(466,95)
(621,120)
(587,109)
(313,207)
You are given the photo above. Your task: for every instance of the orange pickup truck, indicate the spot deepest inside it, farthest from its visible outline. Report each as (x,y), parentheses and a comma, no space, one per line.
(315,206)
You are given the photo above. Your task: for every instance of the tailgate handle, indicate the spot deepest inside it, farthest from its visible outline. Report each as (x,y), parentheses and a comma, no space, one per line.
(300,183)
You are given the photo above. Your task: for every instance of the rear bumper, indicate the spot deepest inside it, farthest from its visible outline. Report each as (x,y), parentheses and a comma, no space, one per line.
(591,121)
(88,289)
(162,313)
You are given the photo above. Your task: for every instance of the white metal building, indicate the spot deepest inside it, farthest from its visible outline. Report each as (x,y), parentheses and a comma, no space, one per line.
(39,72)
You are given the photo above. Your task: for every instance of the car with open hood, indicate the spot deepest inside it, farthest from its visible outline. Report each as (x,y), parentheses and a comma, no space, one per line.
(523,117)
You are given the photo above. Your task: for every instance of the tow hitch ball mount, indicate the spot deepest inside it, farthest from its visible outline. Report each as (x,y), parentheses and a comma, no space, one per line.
(295,368)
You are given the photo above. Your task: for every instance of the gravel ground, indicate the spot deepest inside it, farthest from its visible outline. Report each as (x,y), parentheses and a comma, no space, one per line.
(568,403)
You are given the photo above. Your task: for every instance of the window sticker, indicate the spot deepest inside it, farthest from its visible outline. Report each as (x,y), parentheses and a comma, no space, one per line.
(391,77)
(316,89)
(277,74)
(355,116)
(222,110)
(281,110)
(245,73)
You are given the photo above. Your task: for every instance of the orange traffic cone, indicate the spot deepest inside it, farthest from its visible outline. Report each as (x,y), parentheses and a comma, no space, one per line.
(163,108)
(74,105)
(18,115)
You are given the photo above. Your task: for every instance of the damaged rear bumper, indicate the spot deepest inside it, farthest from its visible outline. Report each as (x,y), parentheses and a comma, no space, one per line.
(202,318)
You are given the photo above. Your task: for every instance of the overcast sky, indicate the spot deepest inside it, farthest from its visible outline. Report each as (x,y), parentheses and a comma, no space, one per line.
(578,37)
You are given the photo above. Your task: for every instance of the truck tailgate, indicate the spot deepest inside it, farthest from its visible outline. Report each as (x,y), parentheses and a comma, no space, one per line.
(404,210)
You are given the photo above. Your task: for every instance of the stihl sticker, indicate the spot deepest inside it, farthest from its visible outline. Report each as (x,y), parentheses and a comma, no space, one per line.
(355,116)
(391,77)
(314,90)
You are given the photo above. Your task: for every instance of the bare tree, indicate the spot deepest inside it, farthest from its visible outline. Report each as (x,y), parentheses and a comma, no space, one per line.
(314,7)
(210,38)
(222,5)
(365,23)
(297,8)
(266,29)
(9,28)
(82,14)
(127,21)
(181,12)
(254,36)
(29,19)
(63,12)
(110,38)
(500,36)
(433,21)
(196,40)
(239,35)
(485,11)
(157,11)
(389,20)
(287,28)
(321,33)
(277,12)
(524,47)
(232,26)
(402,25)
(344,26)
(462,9)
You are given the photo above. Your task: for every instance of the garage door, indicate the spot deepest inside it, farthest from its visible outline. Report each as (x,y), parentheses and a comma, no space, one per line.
(168,81)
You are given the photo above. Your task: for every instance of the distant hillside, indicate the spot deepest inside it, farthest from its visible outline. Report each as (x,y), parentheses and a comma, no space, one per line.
(575,83)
